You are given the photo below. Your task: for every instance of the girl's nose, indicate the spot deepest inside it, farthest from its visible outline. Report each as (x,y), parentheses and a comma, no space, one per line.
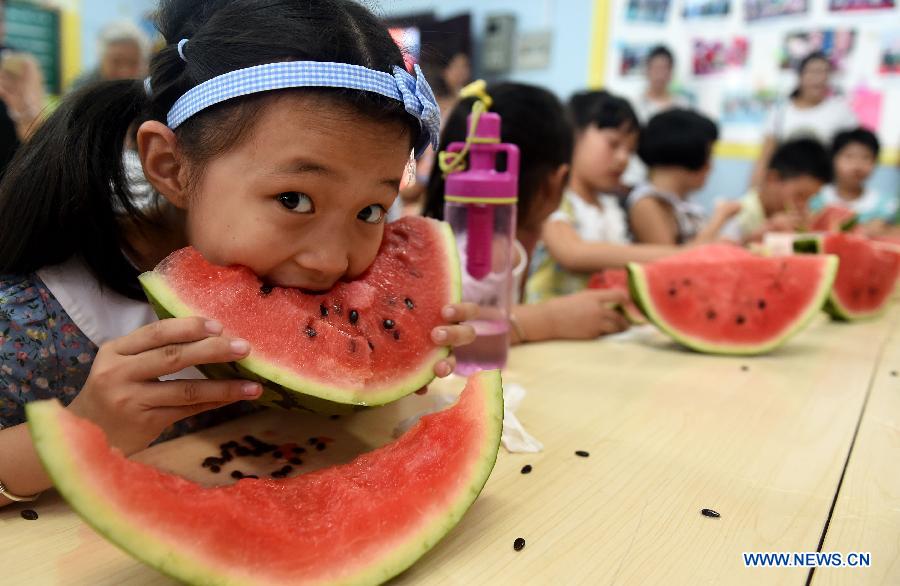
(326,262)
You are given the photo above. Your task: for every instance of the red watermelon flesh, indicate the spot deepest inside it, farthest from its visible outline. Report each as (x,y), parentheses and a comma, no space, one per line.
(365,342)
(617,280)
(741,305)
(709,253)
(833,218)
(361,522)
(867,275)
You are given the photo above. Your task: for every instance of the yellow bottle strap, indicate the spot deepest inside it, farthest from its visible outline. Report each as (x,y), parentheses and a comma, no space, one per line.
(452,162)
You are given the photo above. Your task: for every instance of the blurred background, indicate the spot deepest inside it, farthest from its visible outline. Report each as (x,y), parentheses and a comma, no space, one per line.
(733,59)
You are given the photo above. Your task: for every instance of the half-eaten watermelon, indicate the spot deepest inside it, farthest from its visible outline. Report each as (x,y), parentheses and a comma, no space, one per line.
(359,523)
(364,342)
(733,305)
(834,218)
(617,280)
(866,278)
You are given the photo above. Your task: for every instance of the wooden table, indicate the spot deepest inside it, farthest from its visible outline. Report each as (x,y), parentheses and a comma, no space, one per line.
(798,451)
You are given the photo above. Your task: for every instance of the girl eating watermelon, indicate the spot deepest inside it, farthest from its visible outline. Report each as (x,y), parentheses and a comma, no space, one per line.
(275,135)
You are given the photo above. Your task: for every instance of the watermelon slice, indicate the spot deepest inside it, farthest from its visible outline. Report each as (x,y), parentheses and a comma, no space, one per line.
(365,342)
(834,218)
(359,523)
(867,276)
(617,280)
(740,305)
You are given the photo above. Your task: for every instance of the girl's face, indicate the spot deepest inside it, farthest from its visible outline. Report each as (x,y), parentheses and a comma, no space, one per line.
(853,164)
(814,80)
(302,200)
(601,156)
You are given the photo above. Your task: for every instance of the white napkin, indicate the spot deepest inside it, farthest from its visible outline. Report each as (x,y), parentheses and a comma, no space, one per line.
(514,438)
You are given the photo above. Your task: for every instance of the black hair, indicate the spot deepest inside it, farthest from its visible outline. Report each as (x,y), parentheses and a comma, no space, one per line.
(801,67)
(678,138)
(65,192)
(602,109)
(534,120)
(802,157)
(858,135)
(661,51)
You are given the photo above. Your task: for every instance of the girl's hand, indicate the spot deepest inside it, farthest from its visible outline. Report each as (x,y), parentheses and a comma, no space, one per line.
(455,334)
(587,314)
(124,396)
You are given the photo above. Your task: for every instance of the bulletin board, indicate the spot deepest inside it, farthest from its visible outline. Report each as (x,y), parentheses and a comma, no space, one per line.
(36,30)
(735,58)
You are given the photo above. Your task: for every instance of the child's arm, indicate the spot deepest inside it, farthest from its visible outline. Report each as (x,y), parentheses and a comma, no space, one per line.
(575,254)
(454,334)
(580,316)
(652,222)
(710,231)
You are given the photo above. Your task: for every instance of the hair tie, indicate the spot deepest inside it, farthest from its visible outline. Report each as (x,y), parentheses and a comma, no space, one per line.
(181,45)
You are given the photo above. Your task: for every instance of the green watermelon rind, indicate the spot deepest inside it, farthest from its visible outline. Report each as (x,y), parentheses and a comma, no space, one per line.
(638,284)
(166,303)
(815,244)
(53,449)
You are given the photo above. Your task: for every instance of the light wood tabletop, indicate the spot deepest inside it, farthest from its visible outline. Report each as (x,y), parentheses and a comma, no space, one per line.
(764,441)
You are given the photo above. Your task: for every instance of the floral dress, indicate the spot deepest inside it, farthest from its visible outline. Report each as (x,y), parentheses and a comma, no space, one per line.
(44,355)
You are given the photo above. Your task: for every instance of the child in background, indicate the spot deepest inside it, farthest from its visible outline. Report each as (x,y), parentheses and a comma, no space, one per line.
(676,146)
(854,155)
(796,172)
(589,231)
(535,121)
(279,150)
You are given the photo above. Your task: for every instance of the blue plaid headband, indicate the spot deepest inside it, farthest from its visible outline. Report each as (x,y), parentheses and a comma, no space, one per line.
(414,92)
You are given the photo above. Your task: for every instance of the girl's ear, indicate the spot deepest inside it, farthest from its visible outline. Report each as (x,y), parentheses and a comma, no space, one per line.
(163,165)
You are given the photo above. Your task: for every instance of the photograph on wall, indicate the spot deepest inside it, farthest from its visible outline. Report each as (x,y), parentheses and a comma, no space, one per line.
(705,8)
(852,5)
(633,58)
(836,44)
(747,108)
(711,57)
(763,9)
(656,11)
(890,53)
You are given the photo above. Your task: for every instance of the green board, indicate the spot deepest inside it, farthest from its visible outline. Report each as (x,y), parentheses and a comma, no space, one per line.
(36,30)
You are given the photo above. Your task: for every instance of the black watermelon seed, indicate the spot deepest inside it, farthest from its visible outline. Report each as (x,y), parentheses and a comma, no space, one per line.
(211,461)
(312,441)
(243,451)
(320,446)
(739,320)
(710,314)
(226,456)
(29,514)
(761,304)
(335,417)
(519,544)
(672,292)
(893,373)
(710,513)
(582,453)
(745,368)
(388,324)
(229,445)
(287,469)
(237,474)
(296,461)
(265,289)
(276,453)
(354,316)
(396,335)
(215,469)
(323,310)
(686,282)
(371,345)
(310,332)
(526,469)
(409,303)
(252,476)
(251,440)
(299,450)
(278,474)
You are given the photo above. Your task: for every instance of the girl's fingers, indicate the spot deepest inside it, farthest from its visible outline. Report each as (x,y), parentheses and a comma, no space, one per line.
(607,296)
(165,332)
(166,416)
(458,312)
(194,392)
(174,357)
(458,335)
(445,367)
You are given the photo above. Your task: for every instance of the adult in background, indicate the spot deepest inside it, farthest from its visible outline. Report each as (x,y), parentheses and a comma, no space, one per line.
(812,110)
(124,51)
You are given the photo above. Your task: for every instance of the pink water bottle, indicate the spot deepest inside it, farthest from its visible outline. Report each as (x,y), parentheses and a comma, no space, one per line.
(480,206)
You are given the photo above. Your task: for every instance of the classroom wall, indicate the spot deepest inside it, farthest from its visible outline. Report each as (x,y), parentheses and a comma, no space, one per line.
(97,13)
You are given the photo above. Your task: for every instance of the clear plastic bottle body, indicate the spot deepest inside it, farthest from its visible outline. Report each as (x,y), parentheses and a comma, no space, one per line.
(484,235)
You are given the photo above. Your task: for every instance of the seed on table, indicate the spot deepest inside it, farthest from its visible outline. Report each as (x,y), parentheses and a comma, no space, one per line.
(296,461)
(582,453)
(215,469)
(29,515)
(519,544)
(237,474)
(710,513)
(320,446)
(526,469)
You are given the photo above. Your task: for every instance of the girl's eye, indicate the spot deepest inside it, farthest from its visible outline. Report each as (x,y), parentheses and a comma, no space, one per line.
(373,214)
(296,202)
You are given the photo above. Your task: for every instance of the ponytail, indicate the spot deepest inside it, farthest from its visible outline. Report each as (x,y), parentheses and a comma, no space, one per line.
(63,190)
